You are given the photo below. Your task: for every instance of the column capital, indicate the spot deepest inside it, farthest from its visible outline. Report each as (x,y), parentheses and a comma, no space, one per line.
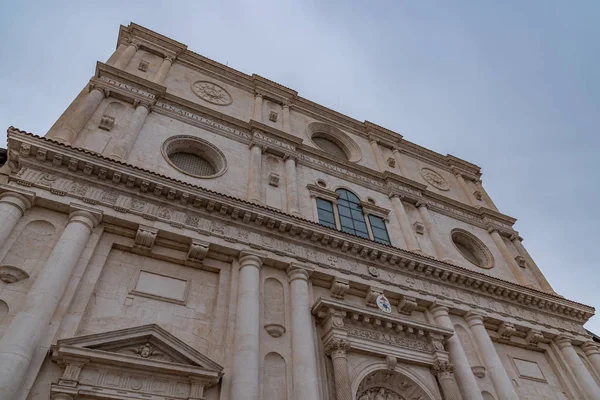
(590,348)
(373,139)
(251,257)
(88,216)
(439,309)
(422,203)
(254,143)
(299,271)
(473,319)
(442,367)
(290,156)
(287,104)
(22,199)
(337,347)
(564,341)
(258,94)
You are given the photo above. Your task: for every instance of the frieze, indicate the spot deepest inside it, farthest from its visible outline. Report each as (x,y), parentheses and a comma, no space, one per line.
(203,121)
(391,339)
(127,87)
(303,231)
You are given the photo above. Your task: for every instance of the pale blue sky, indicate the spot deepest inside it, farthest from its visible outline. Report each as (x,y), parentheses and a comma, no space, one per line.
(512,86)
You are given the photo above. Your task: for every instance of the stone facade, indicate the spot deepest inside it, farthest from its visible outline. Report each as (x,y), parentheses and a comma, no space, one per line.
(186,231)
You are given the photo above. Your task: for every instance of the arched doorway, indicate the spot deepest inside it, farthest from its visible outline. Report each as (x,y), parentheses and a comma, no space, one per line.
(389,385)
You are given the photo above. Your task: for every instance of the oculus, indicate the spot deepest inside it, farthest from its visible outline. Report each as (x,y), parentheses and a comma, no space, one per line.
(212,93)
(194,156)
(333,141)
(435,179)
(471,248)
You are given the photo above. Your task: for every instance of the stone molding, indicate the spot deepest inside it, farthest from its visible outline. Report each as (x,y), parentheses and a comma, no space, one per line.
(395,336)
(181,200)
(145,352)
(22,199)
(153,96)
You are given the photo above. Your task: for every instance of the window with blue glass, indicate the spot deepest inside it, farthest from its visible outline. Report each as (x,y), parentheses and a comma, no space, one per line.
(326,214)
(351,217)
(380,233)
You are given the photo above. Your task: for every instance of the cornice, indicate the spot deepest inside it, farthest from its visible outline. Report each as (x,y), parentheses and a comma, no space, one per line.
(127,33)
(80,164)
(273,90)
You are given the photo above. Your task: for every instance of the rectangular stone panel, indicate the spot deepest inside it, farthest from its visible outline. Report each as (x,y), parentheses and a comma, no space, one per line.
(161,286)
(529,369)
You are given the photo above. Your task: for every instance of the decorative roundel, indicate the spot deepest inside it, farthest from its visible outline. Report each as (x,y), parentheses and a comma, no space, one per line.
(212,93)
(471,248)
(435,179)
(384,304)
(194,156)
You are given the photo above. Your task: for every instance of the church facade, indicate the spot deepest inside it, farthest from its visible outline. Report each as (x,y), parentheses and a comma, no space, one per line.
(187,231)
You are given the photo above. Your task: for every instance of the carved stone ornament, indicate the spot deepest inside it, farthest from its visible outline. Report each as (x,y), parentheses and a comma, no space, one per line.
(339,288)
(506,330)
(145,237)
(389,385)
(407,305)
(478,371)
(211,93)
(143,354)
(442,367)
(273,116)
(390,362)
(533,337)
(12,274)
(373,271)
(336,345)
(435,179)
(419,227)
(275,330)
(391,162)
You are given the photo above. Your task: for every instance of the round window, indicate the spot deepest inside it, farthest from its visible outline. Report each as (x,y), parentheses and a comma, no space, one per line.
(471,248)
(194,156)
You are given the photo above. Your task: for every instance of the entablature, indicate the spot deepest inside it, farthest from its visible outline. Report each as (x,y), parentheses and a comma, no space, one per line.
(135,89)
(283,94)
(64,170)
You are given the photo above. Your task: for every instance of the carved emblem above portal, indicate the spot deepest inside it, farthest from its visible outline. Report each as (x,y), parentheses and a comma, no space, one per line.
(435,179)
(212,93)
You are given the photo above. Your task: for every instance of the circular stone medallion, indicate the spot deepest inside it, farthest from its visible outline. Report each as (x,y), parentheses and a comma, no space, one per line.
(435,179)
(384,304)
(212,93)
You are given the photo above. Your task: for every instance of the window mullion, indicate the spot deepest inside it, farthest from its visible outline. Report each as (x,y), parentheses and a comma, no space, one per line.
(336,215)
(369,229)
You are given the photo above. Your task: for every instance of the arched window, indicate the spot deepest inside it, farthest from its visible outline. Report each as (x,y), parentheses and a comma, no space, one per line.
(330,146)
(352,219)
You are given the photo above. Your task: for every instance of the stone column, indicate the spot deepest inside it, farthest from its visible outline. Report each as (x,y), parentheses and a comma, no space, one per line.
(255,174)
(485,195)
(378,154)
(443,371)
(336,349)
(286,118)
(162,72)
(80,116)
(508,257)
(583,376)
(431,231)
(117,53)
(126,142)
(258,98)
(127,55)
(465,188)
(246,362)
(464,375)
(405,227)
(304,362)
(400,162)
(592,351)
(27,328)
(493,364)
(291,186)
(544,285)
(12,207)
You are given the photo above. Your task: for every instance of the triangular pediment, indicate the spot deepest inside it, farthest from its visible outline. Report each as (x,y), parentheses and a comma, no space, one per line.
(147,343)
